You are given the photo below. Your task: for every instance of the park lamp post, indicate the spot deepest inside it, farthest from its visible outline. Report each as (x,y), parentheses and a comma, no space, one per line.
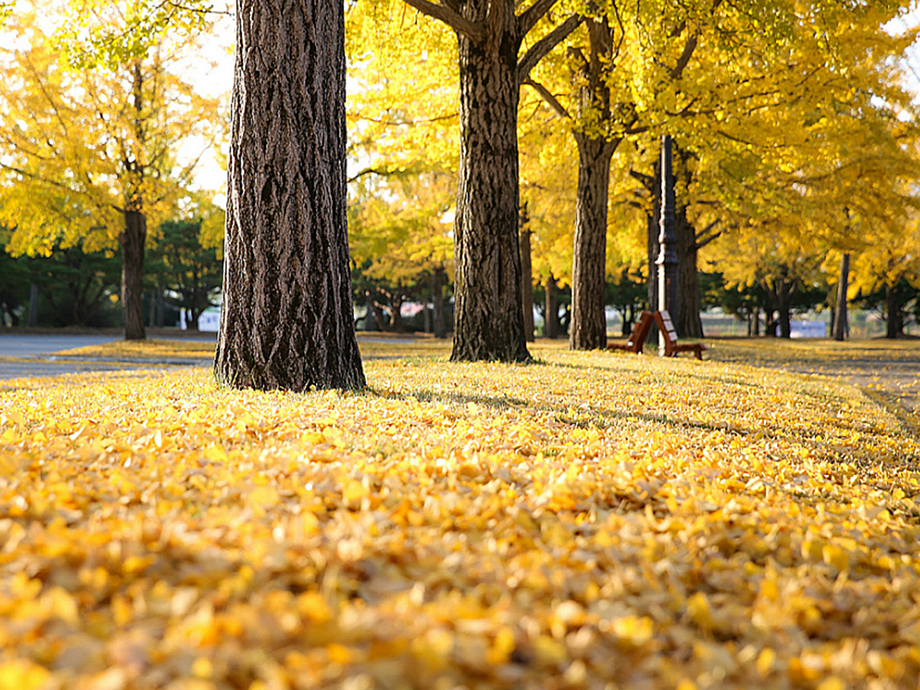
(667,239)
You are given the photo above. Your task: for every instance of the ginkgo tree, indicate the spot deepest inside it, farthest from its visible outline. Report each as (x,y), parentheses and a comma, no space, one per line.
(837,161)
(890,265)
(90,150)
(493,62)
(402,116)
(399,239)
(287,320)
(654,68)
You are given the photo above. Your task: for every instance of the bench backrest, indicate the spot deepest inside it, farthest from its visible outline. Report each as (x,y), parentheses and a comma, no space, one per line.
(666,326)
(641,330)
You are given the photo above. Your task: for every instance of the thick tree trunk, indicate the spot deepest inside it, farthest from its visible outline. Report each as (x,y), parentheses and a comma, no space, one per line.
(526,280)
(133,240)
(551,310)
(840,313)
(287,319)
(689,323)
(589,261)
(489,318)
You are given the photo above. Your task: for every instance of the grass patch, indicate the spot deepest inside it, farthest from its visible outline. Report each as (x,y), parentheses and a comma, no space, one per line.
(590,519)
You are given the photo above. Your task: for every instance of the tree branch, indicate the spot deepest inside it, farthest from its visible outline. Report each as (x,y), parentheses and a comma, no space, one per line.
(53,183)
(473,31)
(703,237)
(684,59)
(541,48)
(647,181)
(550,99)
(529,17)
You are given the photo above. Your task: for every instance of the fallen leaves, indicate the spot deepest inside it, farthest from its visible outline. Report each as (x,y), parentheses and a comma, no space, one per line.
(586,522)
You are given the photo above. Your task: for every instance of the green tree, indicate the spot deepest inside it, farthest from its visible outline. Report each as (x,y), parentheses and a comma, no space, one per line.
(189,272)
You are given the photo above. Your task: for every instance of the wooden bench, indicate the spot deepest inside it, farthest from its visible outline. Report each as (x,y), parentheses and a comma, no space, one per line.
(639,335)
(669,337)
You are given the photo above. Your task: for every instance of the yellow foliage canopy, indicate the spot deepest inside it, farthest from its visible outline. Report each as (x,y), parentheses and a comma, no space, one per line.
(80,147)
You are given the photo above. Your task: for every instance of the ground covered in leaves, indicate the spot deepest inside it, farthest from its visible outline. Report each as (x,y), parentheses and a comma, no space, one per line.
(591,520)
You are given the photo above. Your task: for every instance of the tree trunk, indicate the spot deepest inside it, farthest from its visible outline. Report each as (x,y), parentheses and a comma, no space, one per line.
(133,240)
(379,319)
(439,320)
(589,261)
(629,318)
(489,318)
(287,319)
(396,302)
(551,315)
(33,305)
(689,323)
(770,323)
(526,279)
(161,305)
(840,313)
(651,230)
(894,324)
(784,291)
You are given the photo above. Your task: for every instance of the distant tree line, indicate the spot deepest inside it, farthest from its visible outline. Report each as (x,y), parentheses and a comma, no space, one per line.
(72,287)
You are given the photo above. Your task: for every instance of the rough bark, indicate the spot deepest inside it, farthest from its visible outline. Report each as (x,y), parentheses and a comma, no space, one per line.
(595,150)
(840,313)
(689,323)
(526,279)
(287,320)
(133,240)
(589,261)
(488,317)
(134,236)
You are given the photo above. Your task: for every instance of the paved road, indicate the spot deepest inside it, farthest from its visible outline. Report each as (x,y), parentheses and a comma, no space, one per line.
(37,345)
(34,355)
(897,378)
